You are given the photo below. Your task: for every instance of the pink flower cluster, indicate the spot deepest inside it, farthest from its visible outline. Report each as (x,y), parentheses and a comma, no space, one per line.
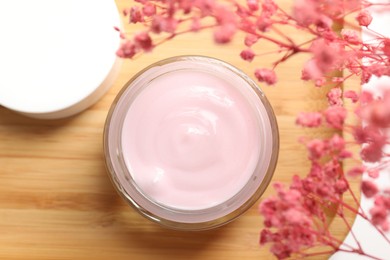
(165,19)
(292,217)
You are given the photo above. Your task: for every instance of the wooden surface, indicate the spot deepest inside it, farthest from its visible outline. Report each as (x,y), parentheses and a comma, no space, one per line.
(56,200)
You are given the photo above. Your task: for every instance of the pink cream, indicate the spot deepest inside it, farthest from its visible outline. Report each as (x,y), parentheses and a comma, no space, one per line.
(191,139)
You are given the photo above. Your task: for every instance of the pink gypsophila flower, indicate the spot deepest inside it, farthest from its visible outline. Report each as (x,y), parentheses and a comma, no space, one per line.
(379,216)
(335,116)
(250,39)
(136,15)
(356,171)
(336,143)
(269,8)
(313,119)
(311,71)
(149,9)
(378,112)
(224,33)
(352,95)
(327,54)
(253,5)
(351,36)
(162,24)
(317,148)
(334,97)
(364,18)
(266,75)
(382,200)
(263,23)
(143,41)
(371,152)
(305,12)
(341,186)
(373,173)
(369,189)
(247,55)
(127,49)
(386,46)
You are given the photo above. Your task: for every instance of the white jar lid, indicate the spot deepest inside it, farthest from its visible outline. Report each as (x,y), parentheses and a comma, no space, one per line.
(57,57)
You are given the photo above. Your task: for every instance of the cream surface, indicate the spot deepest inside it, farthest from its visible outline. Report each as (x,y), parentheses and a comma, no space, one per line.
(191,139)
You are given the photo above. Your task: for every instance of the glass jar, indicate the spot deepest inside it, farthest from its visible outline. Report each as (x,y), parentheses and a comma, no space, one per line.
(158,119)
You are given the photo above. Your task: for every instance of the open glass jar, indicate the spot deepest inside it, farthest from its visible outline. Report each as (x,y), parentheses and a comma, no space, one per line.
(191,142)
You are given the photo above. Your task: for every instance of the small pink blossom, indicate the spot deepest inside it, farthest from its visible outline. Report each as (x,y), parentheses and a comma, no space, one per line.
(327,55)
(371,152)
(382,200)
(308,12)
(320,82)
(269,7)
(373,173)
(379,216)
(369,134)
(265,75)
(224,33)
(386,46)
(186,6)
(305,12)
(313,119)
(253,5)
(317,148)
(356,171)
(247,26)
(352,95)
(334,97)
(345,154)
(341,186)
(378,112)
(295,216)
(251,39)
(247,55)
(143,41)
(162,24)
(364,18)
(366,97)
(263,23)
(351,36)
(127,49)
(335,116)
(337,143)
(149,9)
(311,71)
(281,251)
(224,15)
(316,170)
(369,189)
(136,15)
(332,169)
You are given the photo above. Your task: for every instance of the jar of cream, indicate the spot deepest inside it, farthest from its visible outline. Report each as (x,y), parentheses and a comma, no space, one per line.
(191,142)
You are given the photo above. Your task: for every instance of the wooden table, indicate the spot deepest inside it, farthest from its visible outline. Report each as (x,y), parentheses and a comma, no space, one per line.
(56,200)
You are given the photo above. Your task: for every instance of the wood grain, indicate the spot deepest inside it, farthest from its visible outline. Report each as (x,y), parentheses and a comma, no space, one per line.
(56,200)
